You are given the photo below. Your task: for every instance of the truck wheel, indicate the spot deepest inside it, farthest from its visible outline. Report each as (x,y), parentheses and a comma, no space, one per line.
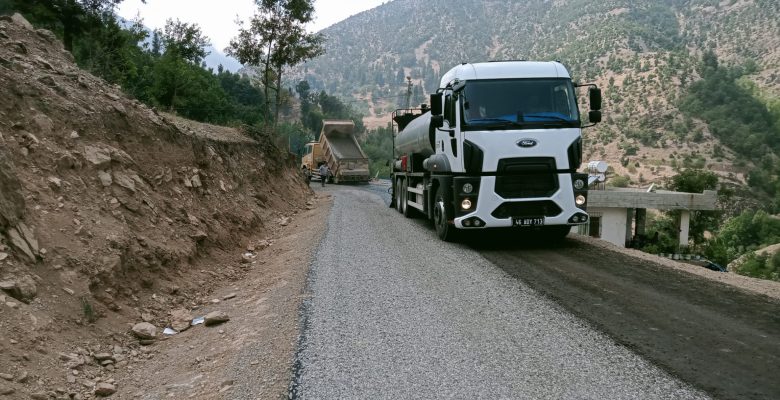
(408,211)
(399,201)
(442,212)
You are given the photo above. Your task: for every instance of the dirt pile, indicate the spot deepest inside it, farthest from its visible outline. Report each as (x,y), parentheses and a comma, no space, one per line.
(112,214)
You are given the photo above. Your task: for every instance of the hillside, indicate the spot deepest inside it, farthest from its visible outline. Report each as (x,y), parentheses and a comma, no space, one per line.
(644,54)
(112,214)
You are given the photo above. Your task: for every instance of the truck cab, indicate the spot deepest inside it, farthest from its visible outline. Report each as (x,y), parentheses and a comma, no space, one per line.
(500,148)
(312,159)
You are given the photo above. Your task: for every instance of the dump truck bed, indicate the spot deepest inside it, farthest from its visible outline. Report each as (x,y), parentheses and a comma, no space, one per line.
(342,152)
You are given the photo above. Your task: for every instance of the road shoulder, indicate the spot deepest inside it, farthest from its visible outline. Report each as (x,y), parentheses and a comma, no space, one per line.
(251,355)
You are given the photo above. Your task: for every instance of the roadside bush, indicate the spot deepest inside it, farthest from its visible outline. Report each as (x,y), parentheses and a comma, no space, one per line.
(619,181)
(761,266)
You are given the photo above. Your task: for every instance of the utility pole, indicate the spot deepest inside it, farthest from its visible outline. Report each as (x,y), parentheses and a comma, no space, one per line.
(409,91)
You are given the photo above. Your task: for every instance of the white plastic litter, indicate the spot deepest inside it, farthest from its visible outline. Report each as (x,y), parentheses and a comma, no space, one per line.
(169,331)
(198,320)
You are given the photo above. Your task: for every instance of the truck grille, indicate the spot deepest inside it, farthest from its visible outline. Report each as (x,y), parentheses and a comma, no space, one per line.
(526,177)
(544,208)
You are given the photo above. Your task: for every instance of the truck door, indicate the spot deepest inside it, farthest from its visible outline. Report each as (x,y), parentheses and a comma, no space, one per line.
(448,138)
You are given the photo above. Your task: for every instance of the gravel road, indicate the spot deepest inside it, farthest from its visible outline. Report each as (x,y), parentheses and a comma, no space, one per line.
(395,313)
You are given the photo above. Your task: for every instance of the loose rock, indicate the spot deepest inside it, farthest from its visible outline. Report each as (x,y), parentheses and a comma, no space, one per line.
(216,318)
(54,183)
(104,389)
(104,356)
(105,178)
(97,156)
(229,296)
(144,331)
(180,319)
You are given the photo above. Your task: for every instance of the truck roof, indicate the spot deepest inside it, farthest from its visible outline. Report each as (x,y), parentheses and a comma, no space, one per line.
(505,70)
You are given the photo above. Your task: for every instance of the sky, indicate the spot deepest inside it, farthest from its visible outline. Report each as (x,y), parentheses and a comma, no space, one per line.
(217,18)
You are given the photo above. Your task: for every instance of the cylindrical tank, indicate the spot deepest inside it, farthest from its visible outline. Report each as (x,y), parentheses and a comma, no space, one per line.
(597,167)
(416,138)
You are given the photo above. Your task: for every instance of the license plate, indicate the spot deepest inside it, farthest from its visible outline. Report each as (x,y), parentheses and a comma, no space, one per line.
(527,221)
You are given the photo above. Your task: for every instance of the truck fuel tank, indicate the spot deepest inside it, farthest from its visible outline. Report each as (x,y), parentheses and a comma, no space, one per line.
(417,137)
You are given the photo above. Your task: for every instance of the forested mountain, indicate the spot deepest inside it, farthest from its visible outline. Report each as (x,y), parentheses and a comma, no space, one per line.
(687,83)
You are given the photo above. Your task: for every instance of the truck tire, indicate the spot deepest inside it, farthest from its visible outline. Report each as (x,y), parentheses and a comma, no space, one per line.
(399,201)
(408,211)
(442,212)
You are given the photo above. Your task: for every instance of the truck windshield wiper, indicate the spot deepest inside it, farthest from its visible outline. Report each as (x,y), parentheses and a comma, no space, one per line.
(552,117)
(492,122)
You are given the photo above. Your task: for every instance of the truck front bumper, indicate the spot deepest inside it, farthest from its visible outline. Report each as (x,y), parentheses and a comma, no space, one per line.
(489,210)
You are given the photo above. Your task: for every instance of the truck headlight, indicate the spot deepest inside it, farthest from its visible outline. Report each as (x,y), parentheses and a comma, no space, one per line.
(465,204)
(579,184)
(580,199)
(468,188)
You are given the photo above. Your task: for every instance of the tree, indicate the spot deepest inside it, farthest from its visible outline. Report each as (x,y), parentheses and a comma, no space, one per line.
(275,39)
(71,17)
(184,40)
(183,48)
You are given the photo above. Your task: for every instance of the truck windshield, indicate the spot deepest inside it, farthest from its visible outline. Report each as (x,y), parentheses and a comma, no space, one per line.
(519,103)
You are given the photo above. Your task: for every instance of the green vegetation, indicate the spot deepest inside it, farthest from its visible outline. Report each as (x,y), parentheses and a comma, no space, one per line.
(162,69)
(743,234)
(378,146)
(762,266)
(276,38)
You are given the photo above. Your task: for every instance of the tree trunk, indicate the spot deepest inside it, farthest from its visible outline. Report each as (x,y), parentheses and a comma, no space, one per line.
(278,93)
(69,21)
(266,81)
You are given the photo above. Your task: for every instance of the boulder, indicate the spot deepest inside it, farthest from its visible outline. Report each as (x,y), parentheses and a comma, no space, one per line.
(121,157)
(180,319)
(104,389)
(105,178)
(144,331)
(125,181)
(22,289)
(54,183)
(215,318)
(97,156)
(29,237)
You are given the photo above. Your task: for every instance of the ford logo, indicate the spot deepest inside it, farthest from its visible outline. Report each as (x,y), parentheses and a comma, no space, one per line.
(526,142)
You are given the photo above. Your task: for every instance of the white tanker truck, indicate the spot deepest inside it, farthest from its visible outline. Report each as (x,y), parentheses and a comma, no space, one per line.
(499,146)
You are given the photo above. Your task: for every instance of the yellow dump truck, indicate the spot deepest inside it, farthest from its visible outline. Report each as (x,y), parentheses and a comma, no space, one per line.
(339,148)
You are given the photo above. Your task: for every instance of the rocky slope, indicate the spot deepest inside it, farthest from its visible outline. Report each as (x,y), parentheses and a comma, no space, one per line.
(113,214)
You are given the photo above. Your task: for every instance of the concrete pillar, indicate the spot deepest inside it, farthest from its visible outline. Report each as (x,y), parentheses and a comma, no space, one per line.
(641,217)
(684,226)
(629,223)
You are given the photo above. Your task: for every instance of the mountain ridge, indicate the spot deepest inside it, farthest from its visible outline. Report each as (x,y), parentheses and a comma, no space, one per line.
(644,55)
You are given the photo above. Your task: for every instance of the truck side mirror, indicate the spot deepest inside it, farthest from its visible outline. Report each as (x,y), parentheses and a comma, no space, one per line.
(594,116)
(437,121)
(436,104)
(595,99)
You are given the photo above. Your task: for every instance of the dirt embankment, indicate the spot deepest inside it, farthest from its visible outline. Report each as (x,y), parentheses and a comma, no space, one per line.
(112,214)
